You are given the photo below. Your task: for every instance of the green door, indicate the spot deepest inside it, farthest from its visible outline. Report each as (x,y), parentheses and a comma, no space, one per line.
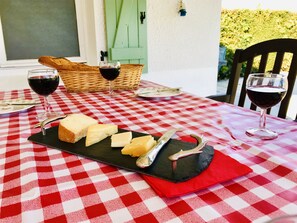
(126,31)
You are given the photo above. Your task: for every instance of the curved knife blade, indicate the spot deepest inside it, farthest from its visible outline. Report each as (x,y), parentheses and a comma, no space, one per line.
(148,158)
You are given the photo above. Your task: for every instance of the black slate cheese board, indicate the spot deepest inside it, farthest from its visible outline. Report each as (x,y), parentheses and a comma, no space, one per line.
(187,167)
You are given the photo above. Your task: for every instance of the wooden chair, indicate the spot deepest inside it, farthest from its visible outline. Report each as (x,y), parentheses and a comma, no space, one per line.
(261,51)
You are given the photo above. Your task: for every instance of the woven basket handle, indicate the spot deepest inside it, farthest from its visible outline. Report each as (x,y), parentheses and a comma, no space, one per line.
(61,63)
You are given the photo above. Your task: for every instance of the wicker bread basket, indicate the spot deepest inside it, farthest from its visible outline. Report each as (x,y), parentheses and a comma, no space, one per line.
(83,78)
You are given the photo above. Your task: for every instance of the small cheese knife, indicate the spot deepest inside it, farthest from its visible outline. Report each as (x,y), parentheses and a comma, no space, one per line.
(148,158)
(18,102)
(47,121)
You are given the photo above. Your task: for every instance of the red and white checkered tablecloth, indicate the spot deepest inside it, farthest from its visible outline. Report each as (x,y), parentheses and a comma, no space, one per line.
(40,184)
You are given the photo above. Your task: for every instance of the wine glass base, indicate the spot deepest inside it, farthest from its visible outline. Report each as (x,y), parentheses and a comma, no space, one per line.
(265,134)
(45,116)
(113,94)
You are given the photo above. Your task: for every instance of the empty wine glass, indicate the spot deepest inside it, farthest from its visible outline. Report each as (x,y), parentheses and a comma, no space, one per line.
(110,71)
(265,90)
(44,82)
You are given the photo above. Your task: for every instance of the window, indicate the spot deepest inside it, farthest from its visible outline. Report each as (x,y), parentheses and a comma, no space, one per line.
(30,30)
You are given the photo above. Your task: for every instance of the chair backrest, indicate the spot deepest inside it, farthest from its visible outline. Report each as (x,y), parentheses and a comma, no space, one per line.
(256,60)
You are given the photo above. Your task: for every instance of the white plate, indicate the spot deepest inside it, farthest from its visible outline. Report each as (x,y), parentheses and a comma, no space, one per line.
(15,105)
(158,92)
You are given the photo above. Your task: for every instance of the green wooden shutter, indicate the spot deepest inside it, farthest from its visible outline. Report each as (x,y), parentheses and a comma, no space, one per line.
(126,35)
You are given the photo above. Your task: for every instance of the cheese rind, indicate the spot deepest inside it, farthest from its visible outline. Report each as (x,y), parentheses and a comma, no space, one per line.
(74,127)
(139,146)
(98,132)
(121,139)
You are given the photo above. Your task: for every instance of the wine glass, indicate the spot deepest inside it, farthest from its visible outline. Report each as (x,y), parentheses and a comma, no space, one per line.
(110,71)
(44,82)
(265,90)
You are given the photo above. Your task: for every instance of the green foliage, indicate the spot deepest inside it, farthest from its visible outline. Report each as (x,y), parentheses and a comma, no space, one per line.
(243,28)
(224,72)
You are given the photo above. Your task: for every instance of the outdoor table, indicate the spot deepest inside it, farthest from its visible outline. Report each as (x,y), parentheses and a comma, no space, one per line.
(42,184)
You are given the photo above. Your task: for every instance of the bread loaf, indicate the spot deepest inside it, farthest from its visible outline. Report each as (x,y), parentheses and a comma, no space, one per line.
(61,63)
(74,127)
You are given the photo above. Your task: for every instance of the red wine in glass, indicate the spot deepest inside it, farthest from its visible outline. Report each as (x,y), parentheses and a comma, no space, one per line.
(44,82)
(265,90)
(110,71)
(43,85)
(266,97)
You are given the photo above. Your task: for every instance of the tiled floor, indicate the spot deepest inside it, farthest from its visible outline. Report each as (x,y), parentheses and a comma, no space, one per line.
(222,87)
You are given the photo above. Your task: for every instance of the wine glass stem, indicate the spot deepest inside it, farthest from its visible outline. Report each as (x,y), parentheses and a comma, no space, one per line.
(110,88)
(46,105)
(262,123)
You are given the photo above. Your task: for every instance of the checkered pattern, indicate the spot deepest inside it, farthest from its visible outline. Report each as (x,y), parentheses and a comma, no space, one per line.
(40,184)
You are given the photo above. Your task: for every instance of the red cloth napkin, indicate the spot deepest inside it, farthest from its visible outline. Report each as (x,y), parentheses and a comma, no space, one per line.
(221,169)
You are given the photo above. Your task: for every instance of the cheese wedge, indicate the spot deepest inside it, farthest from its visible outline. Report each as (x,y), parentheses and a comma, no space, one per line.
(139,146)
(98,132)
(121,139)
(74,127)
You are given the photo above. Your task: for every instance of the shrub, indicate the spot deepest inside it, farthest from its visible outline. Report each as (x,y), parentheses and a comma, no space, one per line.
(243,28)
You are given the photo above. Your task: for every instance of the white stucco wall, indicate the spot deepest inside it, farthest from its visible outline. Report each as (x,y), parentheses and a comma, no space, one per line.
(182,51)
